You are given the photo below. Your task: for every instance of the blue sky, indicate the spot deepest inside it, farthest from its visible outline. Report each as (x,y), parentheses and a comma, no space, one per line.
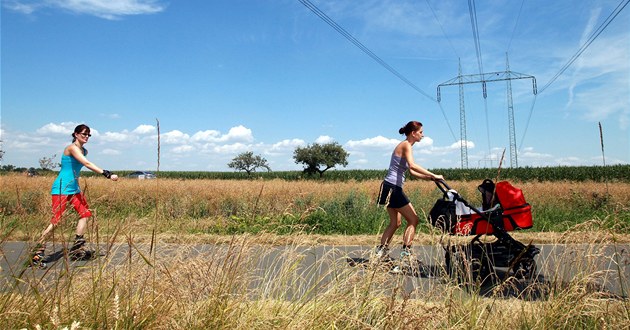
(224,77)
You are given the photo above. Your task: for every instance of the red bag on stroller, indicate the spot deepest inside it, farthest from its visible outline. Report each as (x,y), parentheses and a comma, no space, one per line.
(513,212)
(503,209)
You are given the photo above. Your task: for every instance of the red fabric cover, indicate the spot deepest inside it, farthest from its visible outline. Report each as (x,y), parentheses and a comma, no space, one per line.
(515,218)
(509,196)
(517,214)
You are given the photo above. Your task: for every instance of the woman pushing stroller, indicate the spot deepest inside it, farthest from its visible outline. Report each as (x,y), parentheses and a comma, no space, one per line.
(392,196)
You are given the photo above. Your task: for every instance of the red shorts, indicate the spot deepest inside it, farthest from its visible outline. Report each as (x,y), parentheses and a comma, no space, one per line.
(59,206)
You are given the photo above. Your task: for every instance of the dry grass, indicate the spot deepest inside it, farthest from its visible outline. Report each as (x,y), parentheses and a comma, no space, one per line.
(181,211)
(229,288)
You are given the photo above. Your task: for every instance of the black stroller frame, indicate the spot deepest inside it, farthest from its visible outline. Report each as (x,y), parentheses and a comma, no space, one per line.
(477,260)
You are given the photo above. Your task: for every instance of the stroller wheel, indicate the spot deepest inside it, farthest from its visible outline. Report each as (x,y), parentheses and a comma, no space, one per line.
(525,269)
(466,269)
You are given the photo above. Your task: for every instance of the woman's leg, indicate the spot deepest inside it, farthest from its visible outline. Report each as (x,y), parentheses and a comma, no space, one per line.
(82,226)
(80,205)
(412,219)
(394,224)
(45,233)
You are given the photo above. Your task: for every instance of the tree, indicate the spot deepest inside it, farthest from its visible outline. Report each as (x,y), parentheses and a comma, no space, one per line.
(319,158)
(48,163)
(247,162)
(1,151)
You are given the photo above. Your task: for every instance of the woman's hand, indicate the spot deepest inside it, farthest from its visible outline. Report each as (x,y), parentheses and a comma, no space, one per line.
(114,177)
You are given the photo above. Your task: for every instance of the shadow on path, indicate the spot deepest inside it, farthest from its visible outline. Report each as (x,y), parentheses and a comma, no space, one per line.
(499,284)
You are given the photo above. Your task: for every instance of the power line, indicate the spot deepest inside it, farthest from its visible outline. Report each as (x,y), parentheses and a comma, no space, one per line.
(475,30)
(515,25)
(366,50)
(442,28)
(590,40)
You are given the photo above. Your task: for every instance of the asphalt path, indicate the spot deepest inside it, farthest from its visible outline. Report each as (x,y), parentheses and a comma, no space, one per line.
(604,268)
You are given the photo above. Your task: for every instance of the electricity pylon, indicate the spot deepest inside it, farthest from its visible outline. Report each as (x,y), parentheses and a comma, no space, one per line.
(484,78)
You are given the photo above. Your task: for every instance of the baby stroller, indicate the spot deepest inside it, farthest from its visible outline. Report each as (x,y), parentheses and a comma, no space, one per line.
(503,209)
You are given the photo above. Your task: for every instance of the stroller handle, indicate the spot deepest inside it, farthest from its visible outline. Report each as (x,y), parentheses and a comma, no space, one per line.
(442,185)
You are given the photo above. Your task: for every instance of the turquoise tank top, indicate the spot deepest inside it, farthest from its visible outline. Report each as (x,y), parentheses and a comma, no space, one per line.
(67,182)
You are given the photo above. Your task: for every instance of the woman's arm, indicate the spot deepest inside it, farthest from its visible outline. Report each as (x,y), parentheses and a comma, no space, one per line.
(415,169)
(77,153)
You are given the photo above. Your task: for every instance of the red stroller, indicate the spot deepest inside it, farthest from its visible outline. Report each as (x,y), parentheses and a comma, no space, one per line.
(504,210)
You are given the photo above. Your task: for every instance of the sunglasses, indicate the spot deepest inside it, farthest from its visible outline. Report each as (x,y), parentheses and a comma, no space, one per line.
(86,134)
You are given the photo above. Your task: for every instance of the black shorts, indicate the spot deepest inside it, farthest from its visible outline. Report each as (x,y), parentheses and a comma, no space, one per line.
(392,195)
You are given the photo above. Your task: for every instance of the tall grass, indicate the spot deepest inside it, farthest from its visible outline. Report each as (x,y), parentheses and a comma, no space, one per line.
(227,207)
(241,285)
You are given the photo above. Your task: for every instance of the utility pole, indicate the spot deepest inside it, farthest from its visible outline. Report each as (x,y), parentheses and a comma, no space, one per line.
(484,78)
(513,157)
(463,142)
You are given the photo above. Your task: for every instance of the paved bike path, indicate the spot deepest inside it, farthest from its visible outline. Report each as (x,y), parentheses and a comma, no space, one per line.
(313,268)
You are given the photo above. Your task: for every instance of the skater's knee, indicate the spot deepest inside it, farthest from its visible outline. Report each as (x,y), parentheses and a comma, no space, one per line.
(413,220)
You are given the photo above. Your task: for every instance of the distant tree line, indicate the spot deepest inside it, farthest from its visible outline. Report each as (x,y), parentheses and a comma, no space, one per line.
(316,158)
(322,158)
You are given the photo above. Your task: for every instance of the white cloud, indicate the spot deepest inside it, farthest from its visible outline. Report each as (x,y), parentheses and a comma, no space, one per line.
(375,142)
(235,134)
(182,149)
(144,129)
(110,152)
(61,128)
(206,136)
(24,8)
(111,115)
(285,146)
(231,148)
(28,142)
(175,137)
(534,155)
(568,161)
(239,133)
(429,149)
(428,142)
(324,139)
(107,9)
(114,137)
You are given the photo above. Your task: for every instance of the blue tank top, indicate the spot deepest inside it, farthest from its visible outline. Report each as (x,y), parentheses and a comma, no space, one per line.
(67,182)
(397,168)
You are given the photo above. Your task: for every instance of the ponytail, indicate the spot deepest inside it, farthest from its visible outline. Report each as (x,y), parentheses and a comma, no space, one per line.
(411,126)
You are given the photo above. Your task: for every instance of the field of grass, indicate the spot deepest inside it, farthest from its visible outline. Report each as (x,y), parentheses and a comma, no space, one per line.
(215,291)
(228,207)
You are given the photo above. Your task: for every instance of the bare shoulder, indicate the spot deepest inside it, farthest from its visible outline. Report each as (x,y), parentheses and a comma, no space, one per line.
(70,149)
(402,148)
(73,149)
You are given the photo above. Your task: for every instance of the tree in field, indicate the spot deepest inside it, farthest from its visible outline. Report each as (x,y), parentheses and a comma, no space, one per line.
(247,162)
(48,163)
(319,158)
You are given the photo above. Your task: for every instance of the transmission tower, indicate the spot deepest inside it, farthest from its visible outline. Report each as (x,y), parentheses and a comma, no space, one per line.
(484,78)
(513,157)
(463,143)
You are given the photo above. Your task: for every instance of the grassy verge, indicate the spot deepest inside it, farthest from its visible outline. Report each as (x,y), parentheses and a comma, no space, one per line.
(227,289)
(229,207)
